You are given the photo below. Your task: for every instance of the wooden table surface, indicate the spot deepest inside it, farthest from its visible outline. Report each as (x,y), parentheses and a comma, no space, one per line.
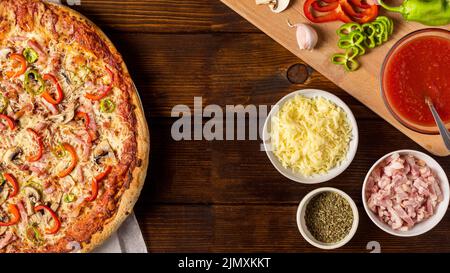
(225,196)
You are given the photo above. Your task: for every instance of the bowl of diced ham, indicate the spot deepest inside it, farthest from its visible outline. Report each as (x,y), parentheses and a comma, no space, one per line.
(406,193)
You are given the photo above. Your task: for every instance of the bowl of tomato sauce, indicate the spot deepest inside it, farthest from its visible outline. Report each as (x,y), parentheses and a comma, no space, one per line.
(416,67)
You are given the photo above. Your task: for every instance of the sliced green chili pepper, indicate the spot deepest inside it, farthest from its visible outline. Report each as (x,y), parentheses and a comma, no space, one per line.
(347,59)
(3,103)
(3,197)
(79,77)
(369,31)
(69,197)
(427,12)
(389,23)
(34,84)
(30,55)
(33,234)
(354,40)
(348,28)
(381,31)
(59,151)
(2,180)
(34,185)
(107,106)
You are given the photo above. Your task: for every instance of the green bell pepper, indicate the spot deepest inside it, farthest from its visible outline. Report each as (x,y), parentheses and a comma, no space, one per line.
(347,59)
(427,12)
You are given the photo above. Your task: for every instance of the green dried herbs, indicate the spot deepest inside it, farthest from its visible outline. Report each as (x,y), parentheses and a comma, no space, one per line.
(329,217)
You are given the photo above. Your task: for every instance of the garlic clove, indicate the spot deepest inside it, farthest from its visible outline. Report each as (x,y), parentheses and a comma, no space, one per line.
(307,37)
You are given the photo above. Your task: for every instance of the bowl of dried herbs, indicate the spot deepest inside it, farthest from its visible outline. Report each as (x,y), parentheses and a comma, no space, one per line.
(327,218)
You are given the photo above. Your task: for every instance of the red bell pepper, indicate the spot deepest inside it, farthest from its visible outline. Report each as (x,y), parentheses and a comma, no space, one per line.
(360,4)
(73,163)
(13,182)
(56,221)
(23,66)
(368,15)
(348,9)
(335,15)
(15,216)
(340,10)
(87,121)
(330,6)
(103,93)
(59,93)
(38,155)
(9,121)
(94,184)
(85,117)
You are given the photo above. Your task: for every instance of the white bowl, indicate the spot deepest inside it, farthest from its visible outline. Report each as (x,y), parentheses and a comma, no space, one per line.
(353,145)
(304,230)
(427,224)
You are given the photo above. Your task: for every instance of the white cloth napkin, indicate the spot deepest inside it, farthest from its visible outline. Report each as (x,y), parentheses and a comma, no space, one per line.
(127,239)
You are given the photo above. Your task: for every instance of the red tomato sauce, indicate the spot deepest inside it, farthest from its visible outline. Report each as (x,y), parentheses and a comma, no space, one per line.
(418,69)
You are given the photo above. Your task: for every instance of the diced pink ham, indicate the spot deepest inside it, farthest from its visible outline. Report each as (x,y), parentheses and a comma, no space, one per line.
(37,47)
(7,239)
(425,171)
(17,38)
(430,208)
(376,173)
(49,187)
(52,108)
(79,176)
(23,213)
(396,220)
(405,217)
(403,191)
(384,182)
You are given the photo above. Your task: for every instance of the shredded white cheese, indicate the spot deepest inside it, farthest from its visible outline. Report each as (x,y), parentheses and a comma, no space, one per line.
(310,136)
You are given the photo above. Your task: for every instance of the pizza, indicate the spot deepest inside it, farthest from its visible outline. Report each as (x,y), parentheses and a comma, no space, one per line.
(74,142)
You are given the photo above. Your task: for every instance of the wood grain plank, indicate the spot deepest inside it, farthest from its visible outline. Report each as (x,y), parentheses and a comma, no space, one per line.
(164,16)
(261,228)
(225,69)
(237,172)
(176,228)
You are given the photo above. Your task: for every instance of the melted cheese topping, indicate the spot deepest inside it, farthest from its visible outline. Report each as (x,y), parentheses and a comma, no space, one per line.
(78,72)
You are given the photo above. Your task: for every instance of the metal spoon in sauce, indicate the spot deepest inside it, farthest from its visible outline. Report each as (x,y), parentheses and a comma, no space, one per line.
(442,128)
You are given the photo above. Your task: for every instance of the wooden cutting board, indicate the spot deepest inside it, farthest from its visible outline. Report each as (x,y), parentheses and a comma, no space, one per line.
(363,84)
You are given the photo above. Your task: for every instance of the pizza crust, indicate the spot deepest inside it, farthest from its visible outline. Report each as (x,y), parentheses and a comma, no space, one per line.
(130,195)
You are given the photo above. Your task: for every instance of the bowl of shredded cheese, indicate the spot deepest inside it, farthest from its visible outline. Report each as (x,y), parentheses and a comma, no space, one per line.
(310,136)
